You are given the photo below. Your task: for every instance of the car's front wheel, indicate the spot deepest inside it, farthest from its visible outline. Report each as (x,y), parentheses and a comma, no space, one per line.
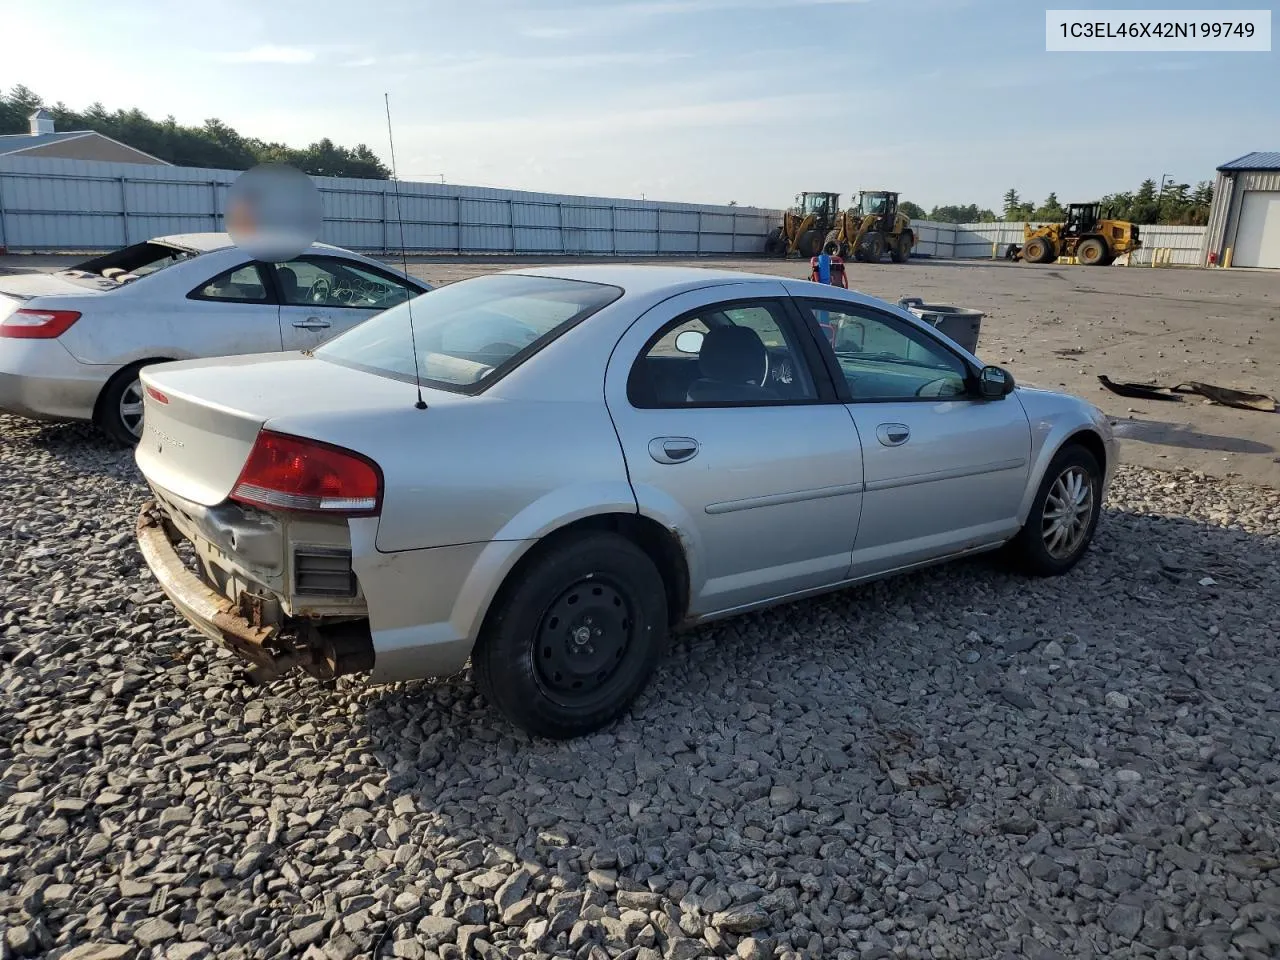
(573,640)
(119,410)
(1064,514)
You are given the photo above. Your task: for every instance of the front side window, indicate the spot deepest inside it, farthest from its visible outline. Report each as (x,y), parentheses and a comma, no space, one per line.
(329,282)
(469,333)
(884,358)
(241,284)
(723,355)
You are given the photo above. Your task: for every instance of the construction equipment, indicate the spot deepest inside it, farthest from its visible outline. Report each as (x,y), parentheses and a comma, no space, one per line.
(804,225)
(873,227)
(1086,236)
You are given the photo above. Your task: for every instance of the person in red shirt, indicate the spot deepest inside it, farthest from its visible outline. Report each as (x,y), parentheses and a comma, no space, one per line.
(828,267)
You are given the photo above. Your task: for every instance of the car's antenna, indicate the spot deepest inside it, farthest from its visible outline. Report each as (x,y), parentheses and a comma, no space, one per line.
(404,258)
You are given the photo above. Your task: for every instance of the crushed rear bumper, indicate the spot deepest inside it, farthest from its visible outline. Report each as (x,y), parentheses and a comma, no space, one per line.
(322,649)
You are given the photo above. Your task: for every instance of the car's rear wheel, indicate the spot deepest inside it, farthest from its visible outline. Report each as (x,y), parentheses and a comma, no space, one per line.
(1064,514)
(119,410)
(575,637)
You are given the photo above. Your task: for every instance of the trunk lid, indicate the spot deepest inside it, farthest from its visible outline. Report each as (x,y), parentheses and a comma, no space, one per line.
(195,442)
(25,286)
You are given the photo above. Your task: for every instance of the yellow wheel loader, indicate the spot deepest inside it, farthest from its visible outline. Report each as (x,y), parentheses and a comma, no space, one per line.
(1091,239)
(804,225)
(873,228)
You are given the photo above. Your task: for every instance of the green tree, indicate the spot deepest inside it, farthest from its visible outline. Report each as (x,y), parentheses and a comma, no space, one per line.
(912,211)
(1012,205)
(213,144)
(1051,211)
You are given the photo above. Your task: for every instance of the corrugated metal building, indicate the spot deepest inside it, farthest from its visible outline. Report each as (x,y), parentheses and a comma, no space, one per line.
(1245,218)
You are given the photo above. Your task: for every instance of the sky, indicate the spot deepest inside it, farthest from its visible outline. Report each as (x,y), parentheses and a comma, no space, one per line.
(708,101)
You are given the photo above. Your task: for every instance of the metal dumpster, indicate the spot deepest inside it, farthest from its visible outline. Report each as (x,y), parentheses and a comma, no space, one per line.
(959,323)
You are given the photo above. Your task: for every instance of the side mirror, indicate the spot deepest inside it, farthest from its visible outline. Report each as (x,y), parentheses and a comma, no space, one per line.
(690,341)
(994,383)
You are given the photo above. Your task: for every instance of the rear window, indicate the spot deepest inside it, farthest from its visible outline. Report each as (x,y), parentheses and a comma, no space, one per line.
(129,263)
(469,333)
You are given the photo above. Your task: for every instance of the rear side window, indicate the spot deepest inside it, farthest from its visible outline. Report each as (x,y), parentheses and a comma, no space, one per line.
(243,284)
(470,333)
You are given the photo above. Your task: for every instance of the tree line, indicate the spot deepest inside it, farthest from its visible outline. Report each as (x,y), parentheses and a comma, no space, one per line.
(215,144)
(1178,204)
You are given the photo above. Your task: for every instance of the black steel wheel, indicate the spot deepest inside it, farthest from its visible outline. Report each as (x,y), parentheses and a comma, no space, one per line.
(574,637)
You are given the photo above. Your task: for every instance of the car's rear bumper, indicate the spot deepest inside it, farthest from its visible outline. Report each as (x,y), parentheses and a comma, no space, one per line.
(41,380)
(208,611)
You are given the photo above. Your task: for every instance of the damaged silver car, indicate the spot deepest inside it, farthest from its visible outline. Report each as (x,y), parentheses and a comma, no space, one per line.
(545,471)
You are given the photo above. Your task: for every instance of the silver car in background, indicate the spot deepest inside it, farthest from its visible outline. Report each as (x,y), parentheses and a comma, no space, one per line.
(72,342)
(545,471)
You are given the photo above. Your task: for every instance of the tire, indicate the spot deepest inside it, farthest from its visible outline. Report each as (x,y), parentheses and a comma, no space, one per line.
(901,251)
(833,236)
(114,411)
(808,246)
(1031,548)
(1091,252)
(536,659)
(1037,250)
(872,248)
(775,245)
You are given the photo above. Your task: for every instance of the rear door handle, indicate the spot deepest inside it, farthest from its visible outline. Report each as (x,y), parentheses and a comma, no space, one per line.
(673,449)
(312,323)
(893,434)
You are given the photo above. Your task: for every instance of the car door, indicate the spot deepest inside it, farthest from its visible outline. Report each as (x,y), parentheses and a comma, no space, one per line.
(758,467)
(234,312)
(944,469)
(322,296)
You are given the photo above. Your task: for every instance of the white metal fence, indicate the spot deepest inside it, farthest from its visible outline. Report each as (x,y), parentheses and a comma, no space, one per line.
(51,205)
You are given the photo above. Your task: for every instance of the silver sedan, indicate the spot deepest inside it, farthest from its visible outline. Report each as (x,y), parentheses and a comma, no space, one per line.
(546,471)
(72,342)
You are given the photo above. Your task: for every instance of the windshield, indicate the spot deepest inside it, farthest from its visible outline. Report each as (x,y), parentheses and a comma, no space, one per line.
(873,204)
(468,333)
(815,203)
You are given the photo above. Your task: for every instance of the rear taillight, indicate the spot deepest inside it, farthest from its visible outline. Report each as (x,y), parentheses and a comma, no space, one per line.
(290,473)
(37,324)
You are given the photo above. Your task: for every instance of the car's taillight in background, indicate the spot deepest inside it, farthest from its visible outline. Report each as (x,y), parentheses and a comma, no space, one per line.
(290,473)
(37,324)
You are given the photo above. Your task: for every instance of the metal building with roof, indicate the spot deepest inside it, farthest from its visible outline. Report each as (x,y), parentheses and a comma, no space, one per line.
(44,141)
(1244,223)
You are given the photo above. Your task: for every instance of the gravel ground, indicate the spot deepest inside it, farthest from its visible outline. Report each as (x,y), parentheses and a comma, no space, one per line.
(959,763)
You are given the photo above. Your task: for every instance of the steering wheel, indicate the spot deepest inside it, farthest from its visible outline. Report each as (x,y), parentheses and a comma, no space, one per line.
(319,290)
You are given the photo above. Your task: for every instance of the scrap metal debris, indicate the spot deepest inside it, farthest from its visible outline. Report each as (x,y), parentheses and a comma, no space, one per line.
(1225,396)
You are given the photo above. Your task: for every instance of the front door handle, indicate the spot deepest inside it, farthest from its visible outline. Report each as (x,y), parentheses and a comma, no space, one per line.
(893,434)
(673,449)
(312,323)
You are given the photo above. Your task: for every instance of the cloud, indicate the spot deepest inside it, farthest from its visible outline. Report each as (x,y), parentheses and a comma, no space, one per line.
(361,62)
(270,53)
